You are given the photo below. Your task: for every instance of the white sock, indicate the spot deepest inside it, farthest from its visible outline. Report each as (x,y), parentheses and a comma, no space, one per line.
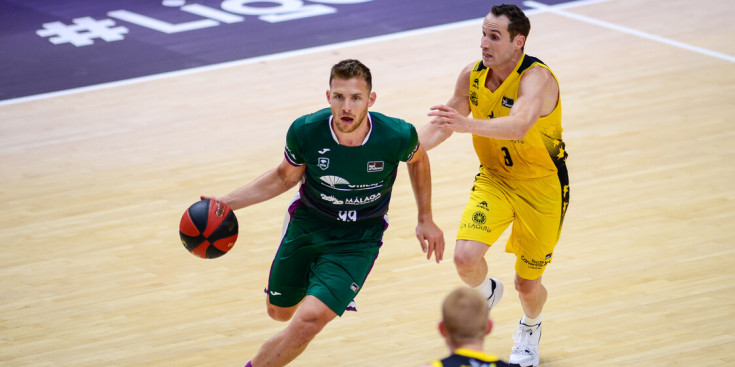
(529,321)
(486,288)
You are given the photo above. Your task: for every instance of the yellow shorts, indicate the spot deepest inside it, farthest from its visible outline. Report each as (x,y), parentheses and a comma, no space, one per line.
(536,208)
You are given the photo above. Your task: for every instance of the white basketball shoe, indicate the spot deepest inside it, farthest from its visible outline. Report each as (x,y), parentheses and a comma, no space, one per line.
(525,350)
(496,295)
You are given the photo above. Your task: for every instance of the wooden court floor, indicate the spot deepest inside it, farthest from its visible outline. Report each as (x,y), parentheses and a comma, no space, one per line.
(93,185)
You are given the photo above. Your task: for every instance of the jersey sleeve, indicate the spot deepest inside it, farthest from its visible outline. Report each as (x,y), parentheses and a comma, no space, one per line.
(409,142)
(293,151)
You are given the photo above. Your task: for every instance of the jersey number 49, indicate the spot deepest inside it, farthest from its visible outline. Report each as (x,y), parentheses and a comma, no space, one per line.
(348,216)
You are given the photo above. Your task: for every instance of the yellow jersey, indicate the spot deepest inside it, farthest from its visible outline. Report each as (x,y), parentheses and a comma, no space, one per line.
(540,153)
(469,358)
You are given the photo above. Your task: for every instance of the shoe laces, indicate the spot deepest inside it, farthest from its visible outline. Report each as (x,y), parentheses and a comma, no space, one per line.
(522,338)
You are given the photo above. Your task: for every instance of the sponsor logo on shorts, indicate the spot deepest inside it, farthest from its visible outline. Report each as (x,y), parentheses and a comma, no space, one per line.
(482,205)
(479,217)
(475,226)
(355,287)
(536,264)
(375,166)
(274,293)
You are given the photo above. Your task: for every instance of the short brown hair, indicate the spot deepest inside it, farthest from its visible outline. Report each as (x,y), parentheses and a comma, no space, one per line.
(351,68)
(518,22)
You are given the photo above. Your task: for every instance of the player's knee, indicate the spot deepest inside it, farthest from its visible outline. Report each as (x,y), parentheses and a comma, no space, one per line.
(527,286)
(306,329)
(279,314)
(464,260)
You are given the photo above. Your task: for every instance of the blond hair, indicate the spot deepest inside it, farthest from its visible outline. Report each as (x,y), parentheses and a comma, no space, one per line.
(465,316)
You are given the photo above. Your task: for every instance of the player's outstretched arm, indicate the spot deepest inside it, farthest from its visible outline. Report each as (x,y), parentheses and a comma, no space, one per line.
(430,236)
(269,185)
(537,96)
(434,134)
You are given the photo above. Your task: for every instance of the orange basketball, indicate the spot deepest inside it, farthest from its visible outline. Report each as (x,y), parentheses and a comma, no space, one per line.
(208,229)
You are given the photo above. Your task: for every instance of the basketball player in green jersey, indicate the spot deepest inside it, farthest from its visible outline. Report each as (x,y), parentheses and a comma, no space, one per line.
(346,160)
(465,322)
(516,131)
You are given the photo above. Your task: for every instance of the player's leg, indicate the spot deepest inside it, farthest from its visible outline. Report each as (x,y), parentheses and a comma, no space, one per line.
(469,260)
(309,319)
(533,296)
(287,281)
(486,215)
(280,313)
(540,209)
(340,272)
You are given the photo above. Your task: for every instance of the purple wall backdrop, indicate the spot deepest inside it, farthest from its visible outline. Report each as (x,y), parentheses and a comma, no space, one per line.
(51,45)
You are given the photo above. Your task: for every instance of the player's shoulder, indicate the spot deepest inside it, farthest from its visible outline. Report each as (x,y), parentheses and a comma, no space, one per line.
(392,131)
(534,73)
(472,67)
(529,61)
(468,70)
(310,123)
(384,121)
(533,65)
(314,117)
(462,354)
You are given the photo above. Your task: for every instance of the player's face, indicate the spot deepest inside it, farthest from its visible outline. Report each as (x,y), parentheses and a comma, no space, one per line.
(349,99)
(497,46)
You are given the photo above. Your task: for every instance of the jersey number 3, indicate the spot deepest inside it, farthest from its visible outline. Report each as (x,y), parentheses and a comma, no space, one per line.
(506,154)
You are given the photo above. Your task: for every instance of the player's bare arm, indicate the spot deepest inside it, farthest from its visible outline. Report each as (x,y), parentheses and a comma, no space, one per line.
(267,186)
(537,96)
(432,135)
(428,233)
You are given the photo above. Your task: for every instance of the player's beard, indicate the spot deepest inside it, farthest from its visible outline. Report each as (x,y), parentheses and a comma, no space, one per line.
(348,128)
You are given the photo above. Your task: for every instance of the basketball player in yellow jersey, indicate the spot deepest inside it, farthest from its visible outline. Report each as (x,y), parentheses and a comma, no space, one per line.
(516,131)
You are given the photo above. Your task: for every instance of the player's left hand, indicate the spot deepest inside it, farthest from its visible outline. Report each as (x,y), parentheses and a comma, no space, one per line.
(431,239)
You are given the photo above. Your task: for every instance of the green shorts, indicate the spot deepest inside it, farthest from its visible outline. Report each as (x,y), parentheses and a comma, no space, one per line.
(322,257)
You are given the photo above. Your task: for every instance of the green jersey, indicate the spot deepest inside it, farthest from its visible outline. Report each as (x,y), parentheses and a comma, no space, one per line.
(349,183)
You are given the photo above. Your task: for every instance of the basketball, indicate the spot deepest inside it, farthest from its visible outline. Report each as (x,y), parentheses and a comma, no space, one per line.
(208,229)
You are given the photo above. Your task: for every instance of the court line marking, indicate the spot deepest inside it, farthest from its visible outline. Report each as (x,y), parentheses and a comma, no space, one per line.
(278,56)
(558,11)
